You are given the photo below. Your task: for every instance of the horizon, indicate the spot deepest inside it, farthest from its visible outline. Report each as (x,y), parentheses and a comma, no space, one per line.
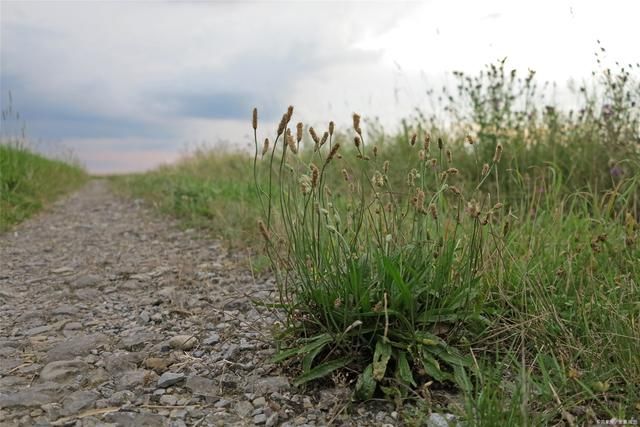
(176,74)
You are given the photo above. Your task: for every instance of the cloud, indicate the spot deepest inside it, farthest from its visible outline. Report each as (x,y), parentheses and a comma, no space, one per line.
(184,71)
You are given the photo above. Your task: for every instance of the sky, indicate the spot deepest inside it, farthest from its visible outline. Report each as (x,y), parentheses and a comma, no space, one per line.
(129,85)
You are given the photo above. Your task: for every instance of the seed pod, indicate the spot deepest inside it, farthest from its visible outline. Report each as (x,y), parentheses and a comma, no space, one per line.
(254,119)
(498,153)
(299,128)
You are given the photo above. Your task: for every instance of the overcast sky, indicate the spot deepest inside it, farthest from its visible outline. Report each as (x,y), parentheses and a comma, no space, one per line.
(129,84)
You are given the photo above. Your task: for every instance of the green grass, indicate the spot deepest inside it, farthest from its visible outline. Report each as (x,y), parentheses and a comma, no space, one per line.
(29,181)
(427,268)
(209,190)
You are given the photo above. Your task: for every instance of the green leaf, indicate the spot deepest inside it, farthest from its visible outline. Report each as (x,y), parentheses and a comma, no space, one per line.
(307,361)
(322,370)
(403,370)
(391,269)
(366,385)
(380,359)
(425,338)
(462,379)
(316,342)
(450,355)
(432,367)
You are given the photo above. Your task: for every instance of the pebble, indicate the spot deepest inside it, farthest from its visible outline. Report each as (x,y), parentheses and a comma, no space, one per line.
(170,378)
(260,419)
(183,342)
(132,295)
(212,339)
(168,399)
(243,408)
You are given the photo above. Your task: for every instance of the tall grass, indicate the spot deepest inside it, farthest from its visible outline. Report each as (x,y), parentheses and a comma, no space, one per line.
(29,181)
(487,264)
(210,190)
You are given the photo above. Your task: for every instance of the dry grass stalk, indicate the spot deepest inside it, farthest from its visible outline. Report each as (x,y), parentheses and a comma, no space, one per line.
(263,230)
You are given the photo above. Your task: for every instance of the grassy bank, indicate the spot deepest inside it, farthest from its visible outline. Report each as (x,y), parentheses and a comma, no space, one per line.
(486,265)
(210,190)
(29,181)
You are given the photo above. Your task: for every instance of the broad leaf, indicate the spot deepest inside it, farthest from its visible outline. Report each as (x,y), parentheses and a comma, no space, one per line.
(322,370)
(316,342)
(432,367)
(366,385)
(462,379)
(380,359)
(403,370)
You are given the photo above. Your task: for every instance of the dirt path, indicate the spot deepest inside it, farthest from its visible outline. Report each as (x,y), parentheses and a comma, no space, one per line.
(111,315)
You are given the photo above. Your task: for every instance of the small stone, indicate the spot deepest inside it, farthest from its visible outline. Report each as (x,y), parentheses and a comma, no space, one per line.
(130,380)
(27,398)
(272,420)
(201,386)
(176,421)
(132,419)
(37,330)
(122,397)
(168,399)
(259,401)
(212,339)
(441,420)
(137,340)
(178,413)
(86,281)
(183,342)
(72,326)
(77,346)
(78,400)
(65,309)
(144,316)
(122,361)
(243,408)
(222,403)
(52,410)
(170,378)
(63,370)
(158,364)
(260,419)
(271,384)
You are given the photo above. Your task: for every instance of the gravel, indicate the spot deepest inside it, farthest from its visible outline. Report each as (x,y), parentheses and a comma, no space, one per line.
(108,307)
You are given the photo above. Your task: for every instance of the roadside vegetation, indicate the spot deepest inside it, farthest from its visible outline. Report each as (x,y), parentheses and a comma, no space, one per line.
(29,181)
(485,263)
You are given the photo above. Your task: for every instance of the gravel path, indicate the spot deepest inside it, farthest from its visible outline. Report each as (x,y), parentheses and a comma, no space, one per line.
(111,315)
